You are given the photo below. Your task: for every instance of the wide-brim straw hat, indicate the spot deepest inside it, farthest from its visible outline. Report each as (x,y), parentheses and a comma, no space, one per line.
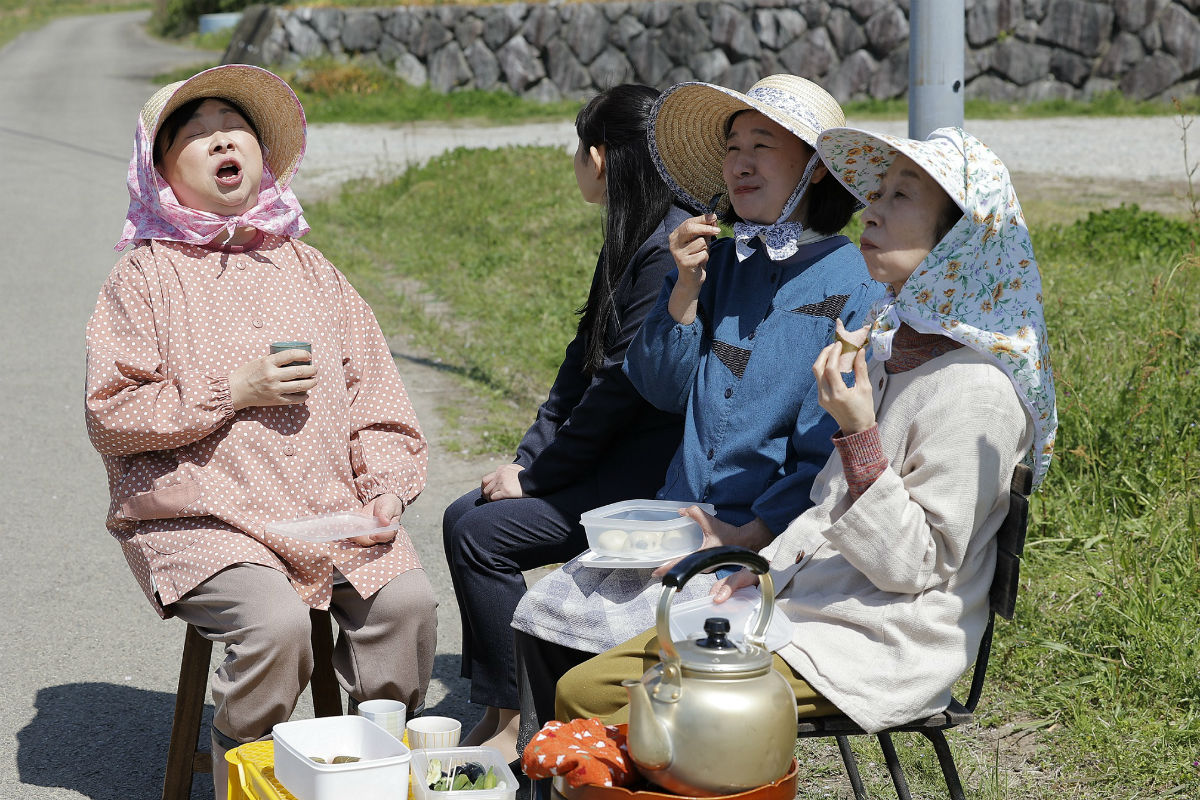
(270,103)
(687,128)
(859,159)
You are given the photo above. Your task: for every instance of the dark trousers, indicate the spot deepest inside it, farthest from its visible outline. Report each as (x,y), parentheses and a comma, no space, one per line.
(539,666)
(487,546)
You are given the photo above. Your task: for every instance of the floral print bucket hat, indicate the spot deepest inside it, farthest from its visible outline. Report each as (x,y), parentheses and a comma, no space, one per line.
(980,284)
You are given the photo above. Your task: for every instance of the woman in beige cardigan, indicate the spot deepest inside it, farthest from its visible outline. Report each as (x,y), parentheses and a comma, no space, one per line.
(885,580)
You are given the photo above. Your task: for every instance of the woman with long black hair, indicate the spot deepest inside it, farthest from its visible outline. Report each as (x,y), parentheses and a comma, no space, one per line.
(595,440)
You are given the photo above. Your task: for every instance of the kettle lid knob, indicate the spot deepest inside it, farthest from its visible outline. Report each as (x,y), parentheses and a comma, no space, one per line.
(716,629)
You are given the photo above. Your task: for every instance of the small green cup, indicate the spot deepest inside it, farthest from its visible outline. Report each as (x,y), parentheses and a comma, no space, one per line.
(279,347)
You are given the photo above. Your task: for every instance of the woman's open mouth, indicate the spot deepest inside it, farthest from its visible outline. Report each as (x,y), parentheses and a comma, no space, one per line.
(229,173)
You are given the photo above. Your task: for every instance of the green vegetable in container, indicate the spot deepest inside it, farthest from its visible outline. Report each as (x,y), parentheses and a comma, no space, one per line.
(464,777)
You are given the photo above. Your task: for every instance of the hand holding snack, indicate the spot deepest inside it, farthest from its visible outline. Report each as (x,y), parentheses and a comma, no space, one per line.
(852,406)
(852,342)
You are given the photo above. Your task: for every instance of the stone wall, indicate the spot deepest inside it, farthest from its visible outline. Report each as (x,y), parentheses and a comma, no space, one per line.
(1016,49)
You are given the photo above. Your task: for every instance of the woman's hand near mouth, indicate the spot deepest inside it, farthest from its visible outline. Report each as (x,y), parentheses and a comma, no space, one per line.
(689,248)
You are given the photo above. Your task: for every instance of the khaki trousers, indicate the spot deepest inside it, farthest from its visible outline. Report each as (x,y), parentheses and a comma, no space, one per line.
(384,650)
(593,689)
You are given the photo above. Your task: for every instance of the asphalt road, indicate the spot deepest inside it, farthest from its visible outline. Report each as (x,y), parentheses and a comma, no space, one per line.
(89,670)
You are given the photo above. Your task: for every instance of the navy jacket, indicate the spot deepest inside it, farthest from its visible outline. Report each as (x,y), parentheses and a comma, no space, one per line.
(599,427)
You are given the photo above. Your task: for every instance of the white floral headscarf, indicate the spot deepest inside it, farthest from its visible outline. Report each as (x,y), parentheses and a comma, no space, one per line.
(980,284)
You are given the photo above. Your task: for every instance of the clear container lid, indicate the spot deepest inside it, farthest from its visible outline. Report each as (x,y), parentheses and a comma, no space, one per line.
(331,527)
(741,609)
(649,514)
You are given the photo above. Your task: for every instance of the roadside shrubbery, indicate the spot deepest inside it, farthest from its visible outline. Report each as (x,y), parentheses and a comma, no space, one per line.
(179,17)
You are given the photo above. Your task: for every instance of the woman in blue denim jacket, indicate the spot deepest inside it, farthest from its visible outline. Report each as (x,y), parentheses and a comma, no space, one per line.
(729,344)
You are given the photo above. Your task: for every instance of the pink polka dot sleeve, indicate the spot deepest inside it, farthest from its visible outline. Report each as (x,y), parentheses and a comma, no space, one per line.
(133,405)
(388,452)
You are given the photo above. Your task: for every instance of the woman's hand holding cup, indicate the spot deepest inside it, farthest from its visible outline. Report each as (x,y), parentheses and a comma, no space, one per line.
(269,381)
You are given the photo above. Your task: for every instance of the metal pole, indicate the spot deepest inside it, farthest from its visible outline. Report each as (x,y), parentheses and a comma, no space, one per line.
(936,37)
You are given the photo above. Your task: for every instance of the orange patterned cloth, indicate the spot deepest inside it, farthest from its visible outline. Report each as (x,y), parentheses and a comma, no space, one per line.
(585,751)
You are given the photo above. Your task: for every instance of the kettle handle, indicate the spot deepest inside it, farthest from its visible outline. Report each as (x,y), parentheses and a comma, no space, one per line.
(697,562)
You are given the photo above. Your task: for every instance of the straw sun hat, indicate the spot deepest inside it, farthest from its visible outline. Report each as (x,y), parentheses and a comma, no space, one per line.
(687,140)
(859,159)
(270,103)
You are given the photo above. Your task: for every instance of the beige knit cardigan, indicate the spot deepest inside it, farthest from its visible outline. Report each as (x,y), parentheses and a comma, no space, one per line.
(889,594)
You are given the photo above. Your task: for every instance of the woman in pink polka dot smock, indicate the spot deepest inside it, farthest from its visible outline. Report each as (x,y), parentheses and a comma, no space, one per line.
(208,438)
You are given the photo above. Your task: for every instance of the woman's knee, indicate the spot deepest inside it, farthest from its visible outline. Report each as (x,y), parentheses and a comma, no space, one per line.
(454,524)
(283,633)
(409,594)
(569,688)
(583,693)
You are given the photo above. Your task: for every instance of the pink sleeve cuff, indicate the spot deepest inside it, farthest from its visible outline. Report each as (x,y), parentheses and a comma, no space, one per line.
(862,459)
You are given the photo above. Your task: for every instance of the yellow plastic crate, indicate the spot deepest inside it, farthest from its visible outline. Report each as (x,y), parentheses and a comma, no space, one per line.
(252,773)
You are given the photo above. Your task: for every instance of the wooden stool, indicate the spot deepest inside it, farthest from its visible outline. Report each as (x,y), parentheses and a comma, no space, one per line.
(183,759)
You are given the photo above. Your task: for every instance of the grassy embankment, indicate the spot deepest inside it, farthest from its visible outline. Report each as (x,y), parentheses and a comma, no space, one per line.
(335,91)
(1094,689)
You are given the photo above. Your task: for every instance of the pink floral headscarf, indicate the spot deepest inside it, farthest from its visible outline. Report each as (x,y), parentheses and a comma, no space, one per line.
(155,213)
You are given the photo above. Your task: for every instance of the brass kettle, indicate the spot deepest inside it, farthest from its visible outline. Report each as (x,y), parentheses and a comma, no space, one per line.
(712,718)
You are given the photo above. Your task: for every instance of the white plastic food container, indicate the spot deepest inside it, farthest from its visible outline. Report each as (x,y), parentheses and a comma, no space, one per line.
(450,757)
(331,527)
(381,774)
(643,529)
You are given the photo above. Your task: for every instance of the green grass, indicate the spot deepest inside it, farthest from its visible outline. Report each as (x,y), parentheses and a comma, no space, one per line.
(1094,690)
(332,91)
(349,92)
(503,239)
(18,16)
(1113,602)
(1108,104)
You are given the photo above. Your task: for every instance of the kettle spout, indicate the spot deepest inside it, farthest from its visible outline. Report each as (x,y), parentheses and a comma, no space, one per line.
(648,739)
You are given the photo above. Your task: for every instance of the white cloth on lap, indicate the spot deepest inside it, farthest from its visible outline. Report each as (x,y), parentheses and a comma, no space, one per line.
(590,609)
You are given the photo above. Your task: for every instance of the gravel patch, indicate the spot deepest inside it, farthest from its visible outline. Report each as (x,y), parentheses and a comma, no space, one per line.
(1134,148)
(1118,148)
(340,152)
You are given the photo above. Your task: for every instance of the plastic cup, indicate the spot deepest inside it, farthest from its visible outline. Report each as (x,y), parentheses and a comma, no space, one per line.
(279,347)
(427,732)
(387,714)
